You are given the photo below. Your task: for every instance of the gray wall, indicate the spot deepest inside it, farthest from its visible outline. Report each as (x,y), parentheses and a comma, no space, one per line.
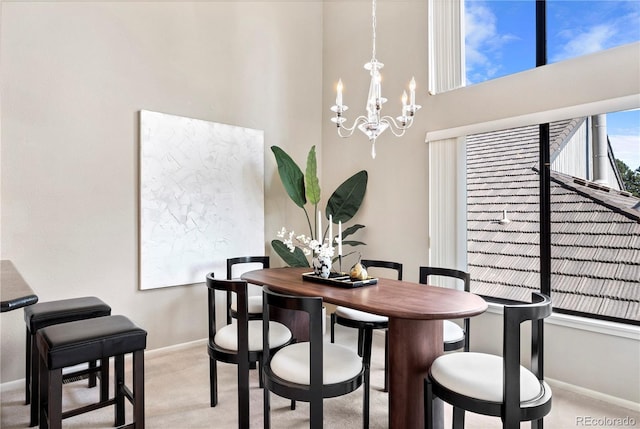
(74,77)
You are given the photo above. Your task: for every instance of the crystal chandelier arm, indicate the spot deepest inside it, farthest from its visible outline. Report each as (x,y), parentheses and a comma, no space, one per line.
(399,133)
(349,130)
(397,130)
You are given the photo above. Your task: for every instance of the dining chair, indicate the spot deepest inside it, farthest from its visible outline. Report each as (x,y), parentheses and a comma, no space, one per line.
(363,321)
(254,301)
(453,335)
(312,370)
(496,385)
(238,343)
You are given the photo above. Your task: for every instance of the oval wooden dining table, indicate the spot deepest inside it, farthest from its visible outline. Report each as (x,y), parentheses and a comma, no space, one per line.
(415,313)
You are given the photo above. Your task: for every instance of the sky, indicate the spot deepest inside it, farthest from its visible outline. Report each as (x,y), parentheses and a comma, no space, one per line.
(500,40)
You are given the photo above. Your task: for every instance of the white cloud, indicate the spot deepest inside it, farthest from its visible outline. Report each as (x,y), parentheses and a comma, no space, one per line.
(601,25)
(593,39)
(627,149)
(483,43)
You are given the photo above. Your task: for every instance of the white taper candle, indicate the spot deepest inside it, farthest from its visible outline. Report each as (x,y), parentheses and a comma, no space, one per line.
(330,231)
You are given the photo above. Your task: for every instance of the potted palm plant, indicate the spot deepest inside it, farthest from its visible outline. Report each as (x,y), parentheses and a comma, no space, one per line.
(304,191)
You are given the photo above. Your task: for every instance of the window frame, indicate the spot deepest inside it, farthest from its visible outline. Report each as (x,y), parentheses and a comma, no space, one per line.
(552,101)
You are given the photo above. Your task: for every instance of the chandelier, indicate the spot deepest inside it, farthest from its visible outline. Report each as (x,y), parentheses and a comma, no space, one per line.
(373,123)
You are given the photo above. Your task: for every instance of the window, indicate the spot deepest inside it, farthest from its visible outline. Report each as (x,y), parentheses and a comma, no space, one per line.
(500,35)
(499,38)
(576,28)
(595,229)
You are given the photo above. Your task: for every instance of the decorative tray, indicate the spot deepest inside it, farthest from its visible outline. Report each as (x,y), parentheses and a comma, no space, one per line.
(339,280)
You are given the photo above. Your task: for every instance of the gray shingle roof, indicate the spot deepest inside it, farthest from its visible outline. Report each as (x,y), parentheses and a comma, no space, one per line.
(595,230)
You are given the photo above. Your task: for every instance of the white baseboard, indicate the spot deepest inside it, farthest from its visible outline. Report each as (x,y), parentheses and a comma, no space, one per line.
(12,385)
(613,400)
(19,383)
(174,347)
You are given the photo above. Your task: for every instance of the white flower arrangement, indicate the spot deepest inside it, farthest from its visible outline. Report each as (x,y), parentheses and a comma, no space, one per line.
(306,244)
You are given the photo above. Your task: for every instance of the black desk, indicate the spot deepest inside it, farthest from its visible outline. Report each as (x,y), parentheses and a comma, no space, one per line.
(14,291)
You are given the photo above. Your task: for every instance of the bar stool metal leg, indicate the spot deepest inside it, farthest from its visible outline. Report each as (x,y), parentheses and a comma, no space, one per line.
(34,379)
(104,379)
(92,375)
(118,385)
(138,388)
(50,410)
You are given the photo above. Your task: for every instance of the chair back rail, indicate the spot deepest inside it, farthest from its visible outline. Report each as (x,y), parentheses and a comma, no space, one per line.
(425,272)
(376,263)
(264,260)
(514,316)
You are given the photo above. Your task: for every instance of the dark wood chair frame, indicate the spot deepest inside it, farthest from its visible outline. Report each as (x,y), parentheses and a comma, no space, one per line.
(425,272)
(511,410)
(264,260)
(316,391)
(242,357)
(363,326)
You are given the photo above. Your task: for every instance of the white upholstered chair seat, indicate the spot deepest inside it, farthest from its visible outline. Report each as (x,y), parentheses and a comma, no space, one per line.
(227,337)
(254,304)
(350,313)
(479,375)
(451,332)
(291,363)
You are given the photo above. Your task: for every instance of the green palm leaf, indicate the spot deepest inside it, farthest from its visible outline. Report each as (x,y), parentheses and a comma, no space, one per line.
(293,259)
(311,178)
(352,229)
(346,200)
(291,176)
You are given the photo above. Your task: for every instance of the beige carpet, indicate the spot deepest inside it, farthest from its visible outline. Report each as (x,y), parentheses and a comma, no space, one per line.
(177,397)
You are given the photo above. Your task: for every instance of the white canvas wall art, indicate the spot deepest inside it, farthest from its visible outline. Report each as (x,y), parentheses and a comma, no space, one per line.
(201,198)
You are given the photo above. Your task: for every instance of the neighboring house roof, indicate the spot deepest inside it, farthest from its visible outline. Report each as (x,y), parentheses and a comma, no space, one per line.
(595,231)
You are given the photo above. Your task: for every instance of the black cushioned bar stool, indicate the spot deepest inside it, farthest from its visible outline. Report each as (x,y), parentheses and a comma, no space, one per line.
(49,313)
(100,338)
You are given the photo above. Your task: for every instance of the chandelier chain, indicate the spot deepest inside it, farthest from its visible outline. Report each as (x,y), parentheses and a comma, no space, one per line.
(373,28)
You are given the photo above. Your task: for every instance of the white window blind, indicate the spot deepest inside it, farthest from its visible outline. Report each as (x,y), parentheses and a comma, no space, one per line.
(447,157)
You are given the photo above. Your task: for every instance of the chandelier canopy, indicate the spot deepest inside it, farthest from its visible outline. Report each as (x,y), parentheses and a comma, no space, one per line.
(374,123)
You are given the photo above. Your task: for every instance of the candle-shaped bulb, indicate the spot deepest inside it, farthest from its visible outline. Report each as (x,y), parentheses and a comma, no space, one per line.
(412,89)
(339,96)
